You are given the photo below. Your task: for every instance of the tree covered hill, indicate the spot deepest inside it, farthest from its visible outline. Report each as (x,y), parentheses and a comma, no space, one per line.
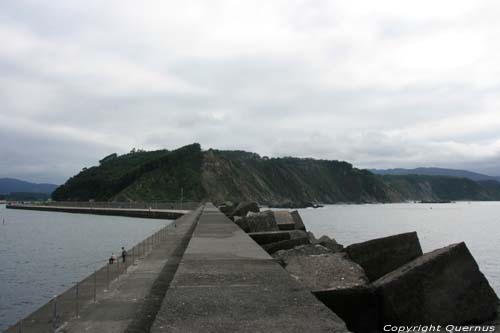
(218,176)
(435,188)
(240,176)
(139,175)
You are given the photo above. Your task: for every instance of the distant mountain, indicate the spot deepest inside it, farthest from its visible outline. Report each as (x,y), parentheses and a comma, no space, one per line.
(478,177)
(11,185)
(436,188)
(218,175)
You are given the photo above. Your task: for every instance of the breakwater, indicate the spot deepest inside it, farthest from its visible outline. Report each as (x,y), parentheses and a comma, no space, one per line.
(163,205)
(380,282)
(168,214)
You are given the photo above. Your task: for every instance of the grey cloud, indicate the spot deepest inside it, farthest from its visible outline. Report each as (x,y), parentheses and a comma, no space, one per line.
(366,83)
(45,158)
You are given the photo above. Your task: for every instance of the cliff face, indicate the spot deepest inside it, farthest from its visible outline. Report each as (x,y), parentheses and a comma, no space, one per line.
(236,175)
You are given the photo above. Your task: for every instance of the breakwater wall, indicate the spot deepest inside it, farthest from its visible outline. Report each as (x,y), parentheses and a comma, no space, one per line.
(117,295)
(168,214)
(376,284)
(171,205)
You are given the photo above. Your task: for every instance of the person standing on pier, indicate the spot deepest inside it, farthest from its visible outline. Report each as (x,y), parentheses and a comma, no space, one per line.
(124,254)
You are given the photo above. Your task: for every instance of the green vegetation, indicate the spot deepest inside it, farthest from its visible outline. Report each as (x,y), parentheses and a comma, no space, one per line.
(218,176)
(418,187)
(139,175)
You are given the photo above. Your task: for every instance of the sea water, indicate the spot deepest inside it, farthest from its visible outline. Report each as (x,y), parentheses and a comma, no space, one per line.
(44,253)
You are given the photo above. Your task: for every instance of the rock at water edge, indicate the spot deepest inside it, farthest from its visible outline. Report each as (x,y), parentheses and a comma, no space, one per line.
(441,287)
(383,255)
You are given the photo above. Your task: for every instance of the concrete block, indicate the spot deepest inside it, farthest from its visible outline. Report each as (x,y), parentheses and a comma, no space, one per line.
(357,306)
(383,255)
(263,221)
(285,244)
(284,220)
(299,224)
(441,287)
(267,237)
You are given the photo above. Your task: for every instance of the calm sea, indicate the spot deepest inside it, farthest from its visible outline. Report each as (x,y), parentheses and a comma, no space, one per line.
(43,253)
(438,225)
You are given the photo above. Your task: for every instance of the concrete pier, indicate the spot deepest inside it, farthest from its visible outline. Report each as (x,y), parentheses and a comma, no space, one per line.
(167,214)
(227,283)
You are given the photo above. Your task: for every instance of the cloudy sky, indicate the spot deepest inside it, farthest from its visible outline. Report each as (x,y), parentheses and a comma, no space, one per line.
(377,83)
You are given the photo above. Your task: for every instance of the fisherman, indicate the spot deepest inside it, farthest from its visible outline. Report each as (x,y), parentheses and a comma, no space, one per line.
(112,259)
(124,254)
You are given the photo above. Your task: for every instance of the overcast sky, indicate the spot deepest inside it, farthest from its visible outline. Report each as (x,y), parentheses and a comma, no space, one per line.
(376,83)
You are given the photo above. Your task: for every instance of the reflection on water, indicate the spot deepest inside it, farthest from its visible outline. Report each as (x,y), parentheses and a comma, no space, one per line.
(43,253)
(438,225)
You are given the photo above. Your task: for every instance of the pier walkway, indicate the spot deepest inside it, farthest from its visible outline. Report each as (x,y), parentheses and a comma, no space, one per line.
(227,283)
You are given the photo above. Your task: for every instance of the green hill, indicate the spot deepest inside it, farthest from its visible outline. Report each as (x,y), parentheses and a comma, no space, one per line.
(432,188)
(240,176)
(219,176)
(154,175)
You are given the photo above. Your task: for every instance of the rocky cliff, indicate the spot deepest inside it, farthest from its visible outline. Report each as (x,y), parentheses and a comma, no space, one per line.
(219,176)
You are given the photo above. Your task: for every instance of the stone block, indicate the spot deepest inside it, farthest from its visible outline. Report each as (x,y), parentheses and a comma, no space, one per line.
(357,306)
(267,237)
(285,244)
(441,287)
(284,220)
(383,255)
(263,221)
(299,224)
